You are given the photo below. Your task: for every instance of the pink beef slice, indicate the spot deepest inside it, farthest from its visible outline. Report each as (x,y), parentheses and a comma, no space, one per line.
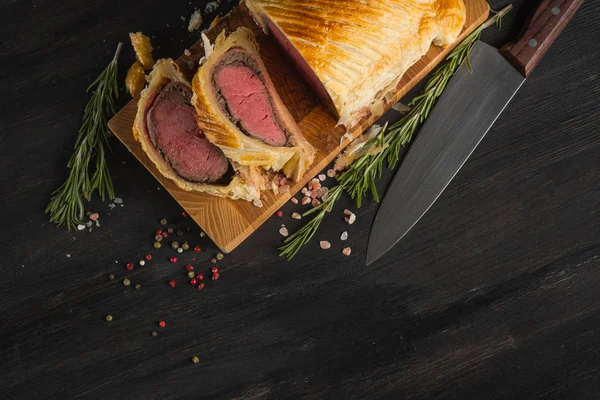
(173,130)
(249,102)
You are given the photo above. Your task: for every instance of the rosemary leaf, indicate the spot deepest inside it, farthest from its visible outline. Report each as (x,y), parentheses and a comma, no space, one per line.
(66,205)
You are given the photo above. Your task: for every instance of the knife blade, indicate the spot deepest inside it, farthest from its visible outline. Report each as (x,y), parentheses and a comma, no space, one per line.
(459,121)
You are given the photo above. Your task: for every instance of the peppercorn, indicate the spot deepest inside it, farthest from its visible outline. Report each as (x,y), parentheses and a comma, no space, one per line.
(109,318)
(189,267)
(197,249)
(175,245)
(193,281)
(163,221)
(191,274)
(130,266)
(185,246)
(162,324)
(111,276)
(179,232)
(280,214)
(164,235)
(173,259)
(172,283)
(148,257)
(126,282)
(137,286)
(201,286)
(142,263)
(202,234)
(180,250)
(158,238)
(170,230)
(200,277)
(183,214)
(195,360)
(157,245)
(213,260)
(154,333)
(159,231)
(214,270)
(215,276)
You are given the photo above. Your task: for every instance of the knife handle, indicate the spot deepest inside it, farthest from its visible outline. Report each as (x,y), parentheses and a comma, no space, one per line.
(541,30)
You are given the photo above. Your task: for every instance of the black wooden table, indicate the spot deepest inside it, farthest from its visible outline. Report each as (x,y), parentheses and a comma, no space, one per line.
(494,295)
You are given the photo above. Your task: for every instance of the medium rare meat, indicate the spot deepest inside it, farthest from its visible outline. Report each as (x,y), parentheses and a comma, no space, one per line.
(240,111)
(166,126)
(171,122)
(354,52)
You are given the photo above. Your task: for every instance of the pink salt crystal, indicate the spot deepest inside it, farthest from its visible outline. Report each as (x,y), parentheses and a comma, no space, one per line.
(294,200)
(263,197)
(347,251)
(331,173)
(94,216)
(324,244)
(315,202)
(304,190)
(296,215)
(308,193)
(187,52)
(322,177)
(306,201)
(283,181)
(347,212)
(284,189)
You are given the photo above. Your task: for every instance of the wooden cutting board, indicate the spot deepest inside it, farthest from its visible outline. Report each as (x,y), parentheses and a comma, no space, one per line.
(229,222)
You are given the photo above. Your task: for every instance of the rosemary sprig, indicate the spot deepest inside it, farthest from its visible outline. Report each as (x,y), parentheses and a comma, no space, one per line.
(66,205)
(360,177)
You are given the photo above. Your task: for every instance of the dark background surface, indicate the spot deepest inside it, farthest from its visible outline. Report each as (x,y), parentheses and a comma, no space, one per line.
(494,295)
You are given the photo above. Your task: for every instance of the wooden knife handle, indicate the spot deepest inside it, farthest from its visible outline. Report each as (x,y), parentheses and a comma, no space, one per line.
(541,30)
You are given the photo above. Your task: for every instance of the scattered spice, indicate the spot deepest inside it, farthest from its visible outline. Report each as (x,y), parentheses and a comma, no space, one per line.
(148,257)
(214,270)
(154,333)
(179,232)
(159,232)
(220,256)
(279,213)
(306,200)
(173,259)
(200,277)
(164,235)
(202,234)
(344,235)
(189,267)
(283,231)
(195,21)
(197,249)
(322,177)
(180,250)
(347,251)
(157,245)
(294,200)
(162,324)
(163,221)
(201,286)
(215,276)
(296,215)
(183,213)
(129,266)
(172,283)
(111,276)
(213,260)
(185,246)
(126,282)
(137,286)
(195,360)
(194,281)
(191,274)
(170,230)
(158,238)
(109,318)
(188,53)
(325,244)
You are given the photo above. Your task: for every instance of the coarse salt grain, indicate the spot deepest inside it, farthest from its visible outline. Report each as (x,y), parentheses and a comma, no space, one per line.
(324,244)
(80,227)
(306,200)
(296,215)
(344,235)
(322,177)
(294,200)
(94,216)
(351,219)
(118,200)
(347,251)
(283,231)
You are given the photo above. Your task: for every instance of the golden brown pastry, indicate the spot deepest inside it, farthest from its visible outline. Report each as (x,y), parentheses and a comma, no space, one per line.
(240,111)
(355,51)
(166,126)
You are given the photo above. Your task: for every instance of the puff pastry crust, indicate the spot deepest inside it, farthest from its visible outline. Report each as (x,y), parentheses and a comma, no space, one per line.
(359,49)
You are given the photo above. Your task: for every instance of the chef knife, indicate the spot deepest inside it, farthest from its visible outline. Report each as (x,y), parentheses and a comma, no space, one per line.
(462,116)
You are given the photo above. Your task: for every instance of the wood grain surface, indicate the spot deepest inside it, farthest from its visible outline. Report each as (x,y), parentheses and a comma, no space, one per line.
(493,295)
(229,222)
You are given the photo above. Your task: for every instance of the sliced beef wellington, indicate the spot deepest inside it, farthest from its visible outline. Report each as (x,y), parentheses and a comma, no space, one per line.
(354,52)
(240,111)
(166,126)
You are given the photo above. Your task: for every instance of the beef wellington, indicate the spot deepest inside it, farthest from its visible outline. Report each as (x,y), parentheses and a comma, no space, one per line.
(166,126)
(240,111)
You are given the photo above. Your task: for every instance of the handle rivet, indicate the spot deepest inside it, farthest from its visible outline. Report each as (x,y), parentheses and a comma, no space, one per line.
(533,43)
(556,11)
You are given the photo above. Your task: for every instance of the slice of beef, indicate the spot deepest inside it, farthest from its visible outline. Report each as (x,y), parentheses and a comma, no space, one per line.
(172,127)
(246,98)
